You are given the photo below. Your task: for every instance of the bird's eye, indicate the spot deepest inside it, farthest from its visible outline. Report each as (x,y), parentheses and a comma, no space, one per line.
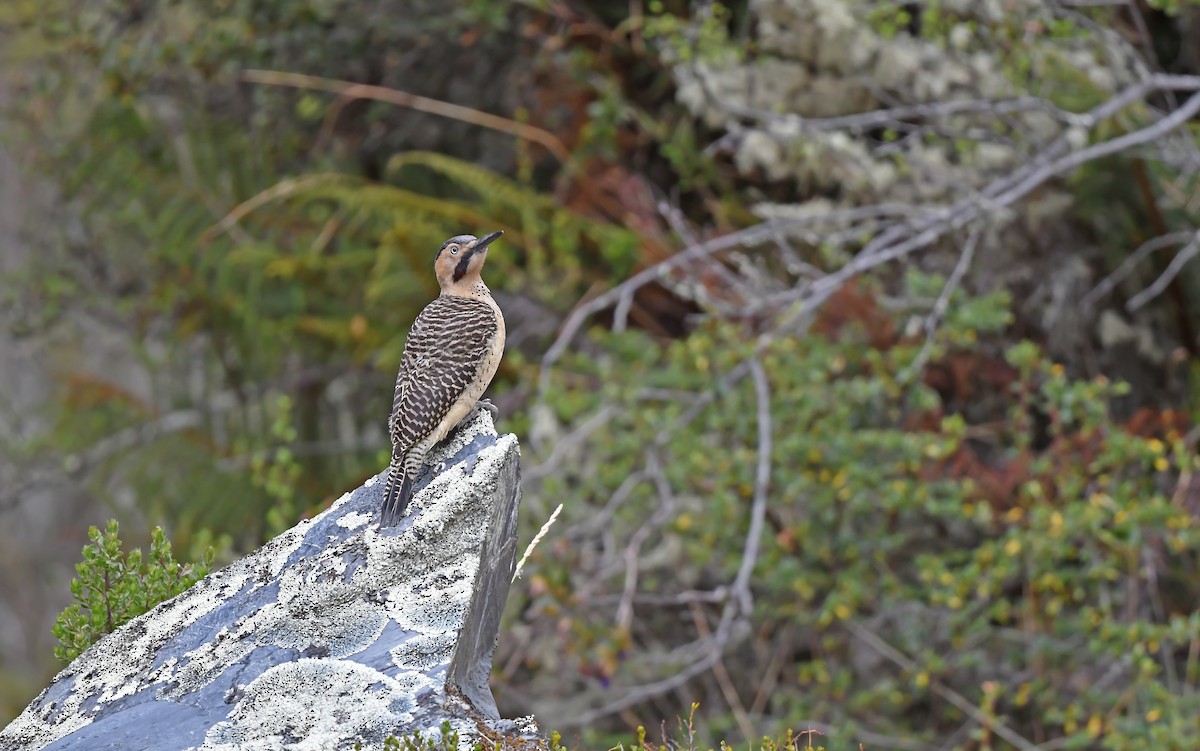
(453,250)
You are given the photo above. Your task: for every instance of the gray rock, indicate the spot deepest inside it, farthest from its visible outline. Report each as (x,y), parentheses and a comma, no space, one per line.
(332,634)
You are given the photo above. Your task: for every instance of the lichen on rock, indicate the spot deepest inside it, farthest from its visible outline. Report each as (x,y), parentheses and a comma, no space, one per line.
(332,634)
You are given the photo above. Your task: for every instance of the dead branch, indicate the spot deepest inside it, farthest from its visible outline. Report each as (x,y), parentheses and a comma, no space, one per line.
(873,640)
(933,320)
(1110,282)
(1187,253)
(918,227)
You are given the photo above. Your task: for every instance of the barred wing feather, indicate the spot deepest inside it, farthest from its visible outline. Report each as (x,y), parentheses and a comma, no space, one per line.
(445,348)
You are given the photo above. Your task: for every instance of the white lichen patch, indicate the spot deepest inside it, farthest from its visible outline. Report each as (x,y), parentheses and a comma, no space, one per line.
(337,621)
(50,722)
(313,704)
(425,651)
(436,608)
(448,518)
(354,519)
(268,561)
(427,576)
(118,665)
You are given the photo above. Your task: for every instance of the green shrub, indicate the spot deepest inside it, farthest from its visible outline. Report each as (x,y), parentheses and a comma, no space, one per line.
(995,558)
(113,587)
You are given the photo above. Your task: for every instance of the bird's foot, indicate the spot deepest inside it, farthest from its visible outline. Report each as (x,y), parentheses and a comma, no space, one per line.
(486,404)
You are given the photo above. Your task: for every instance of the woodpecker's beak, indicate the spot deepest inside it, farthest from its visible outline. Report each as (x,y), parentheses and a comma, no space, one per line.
(485,241)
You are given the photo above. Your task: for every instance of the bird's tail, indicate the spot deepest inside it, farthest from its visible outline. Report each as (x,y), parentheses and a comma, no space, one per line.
(397,494)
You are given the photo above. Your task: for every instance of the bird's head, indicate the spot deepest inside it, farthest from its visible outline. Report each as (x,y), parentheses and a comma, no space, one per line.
(461,258)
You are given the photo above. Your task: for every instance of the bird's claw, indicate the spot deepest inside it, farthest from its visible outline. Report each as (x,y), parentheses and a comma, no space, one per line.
(486,404)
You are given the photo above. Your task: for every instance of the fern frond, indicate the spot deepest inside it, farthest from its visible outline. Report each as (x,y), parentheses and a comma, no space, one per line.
(485,183)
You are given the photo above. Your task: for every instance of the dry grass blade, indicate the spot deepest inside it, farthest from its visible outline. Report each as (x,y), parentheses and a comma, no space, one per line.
(350,90)
(281,189)
(534,542)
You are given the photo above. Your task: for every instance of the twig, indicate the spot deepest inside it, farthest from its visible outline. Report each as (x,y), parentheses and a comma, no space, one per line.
(321,241)
(766,687)
(741,601)
(889,247)
(1110,282)
(351,90)
(1035,175)
(684,598)
(724,682)
(666,507)
(675,220)
(958,700)
(678,224)
(762,482)
(941,304)
(637,694)
(626,288)
(570,441)
(1180,260)
(925,227)
(585,529)
(769,230)
(896,117)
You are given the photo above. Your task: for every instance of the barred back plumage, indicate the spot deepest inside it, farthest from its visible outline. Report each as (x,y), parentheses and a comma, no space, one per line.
(445,349)
(450,350)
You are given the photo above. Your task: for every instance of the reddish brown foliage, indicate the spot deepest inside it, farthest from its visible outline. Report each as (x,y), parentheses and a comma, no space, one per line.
(852,305)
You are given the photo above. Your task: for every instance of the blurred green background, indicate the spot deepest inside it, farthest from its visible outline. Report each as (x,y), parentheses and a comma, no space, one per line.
(935,498)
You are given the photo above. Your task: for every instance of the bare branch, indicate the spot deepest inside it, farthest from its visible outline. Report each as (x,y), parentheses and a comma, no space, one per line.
(943,302)
(889,247)
(571,441)
(1180,260)
(923,226)
(770,230)
(1034,175)
(740,602)
(762,484)
(281,189)
(898,117)
(724,681)
(1110,282)
(958,700)
(666,508)
(684,598)
(603,517)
